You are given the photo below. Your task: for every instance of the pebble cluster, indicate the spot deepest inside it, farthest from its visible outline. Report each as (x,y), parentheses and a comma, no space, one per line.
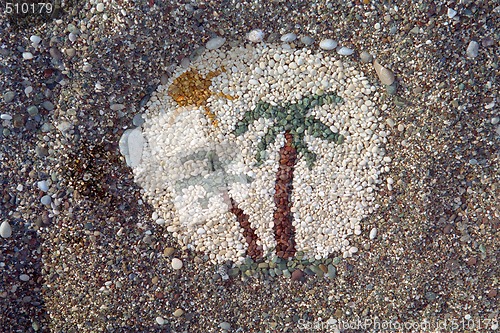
(210,157)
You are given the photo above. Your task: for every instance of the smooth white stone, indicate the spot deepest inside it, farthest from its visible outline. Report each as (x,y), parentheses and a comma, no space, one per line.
(43,185)
(328,44)
(5,116)
(176,263)
(451,13)
(35,40)
(27,55)
(215,43)
(5,229)
(288,38)
(160,321)
(373,233)
(135,144)
(100,7)
(473,49)
(345,51)
(24,277)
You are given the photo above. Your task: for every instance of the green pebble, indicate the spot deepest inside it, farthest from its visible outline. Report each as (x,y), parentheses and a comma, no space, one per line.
(278,271)
(308,271)
(282,265)
(263,265)
(336,260)
(287,274)
(32,110)
(233,272)
(272,272)
(317,270)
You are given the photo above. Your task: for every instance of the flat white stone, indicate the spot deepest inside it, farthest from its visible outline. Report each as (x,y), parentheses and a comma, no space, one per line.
(345,51)
(43,185)
(5,116)
(288,38)
(27,55)
(135,143)
(473,49)
(256,36)
(328,44)
(215,43)
(373,233)
(35,39)
(5,229)
(24,277)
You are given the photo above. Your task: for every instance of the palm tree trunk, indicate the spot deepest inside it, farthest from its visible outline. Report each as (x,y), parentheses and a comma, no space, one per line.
(254,251)
(284,231)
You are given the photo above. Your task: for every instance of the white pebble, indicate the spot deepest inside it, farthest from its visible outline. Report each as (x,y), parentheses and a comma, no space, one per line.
(451,13)
(160,321)
(100,7)
(473,49)
(43,185)
(176,263)
(353,249)
(27,55)
(494,120)
(345,51)
(215,43)
(5,116)
(328,44)
(5,230)
(256,36)
(35,40)
(46,200)
(24,277)
(288,38)
(373,233)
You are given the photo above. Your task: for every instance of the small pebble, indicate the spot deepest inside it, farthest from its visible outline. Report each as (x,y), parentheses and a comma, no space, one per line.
(24,277)
(27,55)
(160,321)
(176,263)
(5,116)
(494,120)
(366,57)
(32,110)
(306,40)
(451,13)
(46,200)
(215,43)
(328,44)
(5,230)
(100,7)
(256,36)
(43,185)
(47,105)
(473,49)
(138,120)
(8,96)
(487,41)
(385,75)
(178,313)
(288,38)
(345,51)
(373,233)
(35,40)
(225,326)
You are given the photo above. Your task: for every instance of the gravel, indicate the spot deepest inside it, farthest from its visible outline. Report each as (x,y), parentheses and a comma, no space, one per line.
(435,254)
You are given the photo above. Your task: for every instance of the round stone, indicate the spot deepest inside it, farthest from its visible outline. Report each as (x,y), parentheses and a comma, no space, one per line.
(328,44)
(178,312)
(5,230)
(24,277)
(176,263)
(160,321)
(27,55)
(100,7)
(215,43)
(225,326)
(46,200)
(256,36)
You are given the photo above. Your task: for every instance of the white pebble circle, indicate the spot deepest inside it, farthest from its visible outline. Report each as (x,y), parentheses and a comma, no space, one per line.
(199,158)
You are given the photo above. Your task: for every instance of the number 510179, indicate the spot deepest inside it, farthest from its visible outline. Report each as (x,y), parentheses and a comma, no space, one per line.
(28,8)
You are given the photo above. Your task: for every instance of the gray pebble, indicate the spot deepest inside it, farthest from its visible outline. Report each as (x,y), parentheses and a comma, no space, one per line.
(430,296)
(225,325)
(391,89)
(332,271)
(366,57)
(138,120)
(70,52)
(306,40)
(55,53)
(46,200)
(47,105)
(24,277)
(32,110)
(473,49)
(8,96)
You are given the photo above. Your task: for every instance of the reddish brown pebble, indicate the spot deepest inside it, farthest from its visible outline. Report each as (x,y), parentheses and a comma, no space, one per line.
(492,293)
(297,275)
(472,261)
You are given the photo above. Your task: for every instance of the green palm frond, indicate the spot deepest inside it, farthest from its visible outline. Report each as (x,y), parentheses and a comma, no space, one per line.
(292,117)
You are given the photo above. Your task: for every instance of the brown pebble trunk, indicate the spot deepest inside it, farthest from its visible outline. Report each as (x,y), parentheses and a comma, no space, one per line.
(284,231)
(254,251)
